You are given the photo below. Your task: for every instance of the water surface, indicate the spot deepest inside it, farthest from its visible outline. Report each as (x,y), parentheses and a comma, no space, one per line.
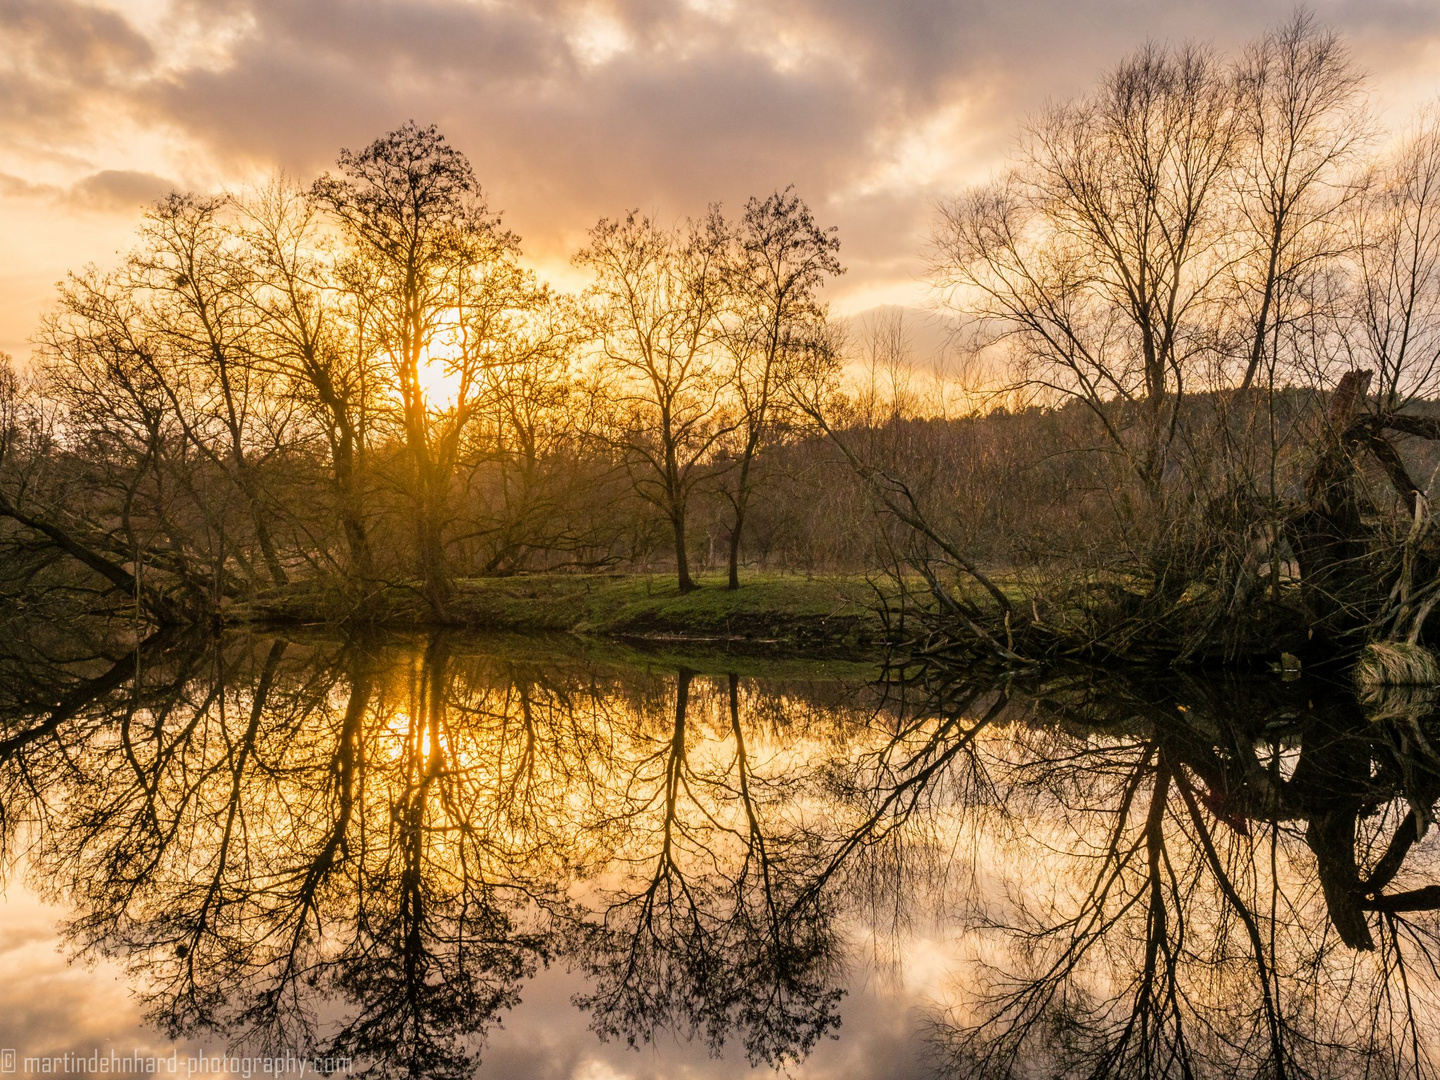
(452,856)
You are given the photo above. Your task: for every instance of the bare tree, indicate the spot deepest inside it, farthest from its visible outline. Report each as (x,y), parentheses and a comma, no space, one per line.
(1096,258)
(524,447)
(306,340)
(1301,123)
(1396,318)
(200,330)
(781,260)
(419,233)
(656,303)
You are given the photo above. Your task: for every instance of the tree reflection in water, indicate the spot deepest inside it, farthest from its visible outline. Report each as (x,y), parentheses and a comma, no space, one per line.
(1218,880)
(366,849)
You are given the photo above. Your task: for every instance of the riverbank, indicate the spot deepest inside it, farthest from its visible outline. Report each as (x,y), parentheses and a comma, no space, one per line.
(771,612)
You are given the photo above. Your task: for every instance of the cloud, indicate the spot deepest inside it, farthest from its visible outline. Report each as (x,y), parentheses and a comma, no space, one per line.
(575,108)
(106,190)
(17,187)
(58,57)
(119,189)
(571,109)
(70,41)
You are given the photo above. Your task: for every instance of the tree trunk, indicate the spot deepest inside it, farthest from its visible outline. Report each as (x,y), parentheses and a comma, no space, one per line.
(1327,534)
(158,606)
(430,489)
(362,561)
(262,536)
(682,559)
(431,543)
(734,580)
(343,456)
(742,503)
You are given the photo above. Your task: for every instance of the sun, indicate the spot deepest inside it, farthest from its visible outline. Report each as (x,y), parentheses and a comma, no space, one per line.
(439,370)
(441,381)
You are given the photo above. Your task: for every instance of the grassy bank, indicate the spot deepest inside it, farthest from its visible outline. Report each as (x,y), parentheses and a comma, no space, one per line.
(829,615)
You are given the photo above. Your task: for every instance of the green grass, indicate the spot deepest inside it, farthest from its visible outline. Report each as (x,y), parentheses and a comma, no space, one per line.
(795,612)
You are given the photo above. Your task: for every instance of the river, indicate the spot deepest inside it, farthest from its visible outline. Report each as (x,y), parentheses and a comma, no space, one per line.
(450,855)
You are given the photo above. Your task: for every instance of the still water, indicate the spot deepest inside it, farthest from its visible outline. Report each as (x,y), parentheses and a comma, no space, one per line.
(456,856)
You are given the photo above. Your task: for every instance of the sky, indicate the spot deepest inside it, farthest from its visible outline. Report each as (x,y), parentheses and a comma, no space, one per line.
(570,109)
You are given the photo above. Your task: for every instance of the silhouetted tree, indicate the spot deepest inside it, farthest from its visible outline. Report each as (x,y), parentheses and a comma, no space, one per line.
(423,246)
(781,259)
(656,302)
